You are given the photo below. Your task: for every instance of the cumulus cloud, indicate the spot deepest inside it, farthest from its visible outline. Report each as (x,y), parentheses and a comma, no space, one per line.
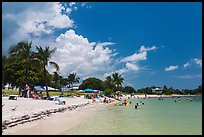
(170,68)
(33,20)
(41,21)
(132,66)
(76,53)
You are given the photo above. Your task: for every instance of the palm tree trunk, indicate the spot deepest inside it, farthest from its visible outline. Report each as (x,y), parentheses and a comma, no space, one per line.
(46,82)
(113,88)
(26,71)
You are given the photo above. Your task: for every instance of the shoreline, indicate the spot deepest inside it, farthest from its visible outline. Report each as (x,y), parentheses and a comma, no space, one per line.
(48,115)
(29,119)
(58,122)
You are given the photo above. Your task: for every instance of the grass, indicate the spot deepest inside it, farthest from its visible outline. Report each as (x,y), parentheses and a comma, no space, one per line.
(52,93)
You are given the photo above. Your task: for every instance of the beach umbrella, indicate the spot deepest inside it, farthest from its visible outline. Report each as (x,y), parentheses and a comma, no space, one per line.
(101,92)
(96,91)
(39,88)
(50,88)
(88,90)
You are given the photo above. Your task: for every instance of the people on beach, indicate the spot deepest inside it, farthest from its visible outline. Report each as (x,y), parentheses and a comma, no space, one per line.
(104,101)
(35,92)
(40,95)
(28,90)
(20,92)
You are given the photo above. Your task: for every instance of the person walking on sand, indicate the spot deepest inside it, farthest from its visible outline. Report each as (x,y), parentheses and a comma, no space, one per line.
(28,90)
(20,92)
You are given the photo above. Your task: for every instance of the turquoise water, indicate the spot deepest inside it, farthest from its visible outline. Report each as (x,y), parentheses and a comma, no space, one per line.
(155,117)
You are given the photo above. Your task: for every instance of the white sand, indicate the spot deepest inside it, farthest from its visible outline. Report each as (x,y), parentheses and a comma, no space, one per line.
(56,123)
(53,125)
(29,105)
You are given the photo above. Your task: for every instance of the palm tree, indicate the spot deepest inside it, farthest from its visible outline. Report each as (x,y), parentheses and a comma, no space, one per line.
(72,78)
(109,82)
(22,52)
(44,56)
(56,79)
(117,80)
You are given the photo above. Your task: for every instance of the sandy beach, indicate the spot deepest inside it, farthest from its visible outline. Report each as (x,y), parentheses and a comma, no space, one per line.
(43,117)
(58,119)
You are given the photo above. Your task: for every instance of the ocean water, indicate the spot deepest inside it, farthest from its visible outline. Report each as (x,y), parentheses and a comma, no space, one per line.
(155,117)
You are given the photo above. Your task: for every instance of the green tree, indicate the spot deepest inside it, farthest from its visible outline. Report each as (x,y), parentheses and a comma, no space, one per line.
(22,52)
(129,89)
(56,80)
(72,79)
(93,83)
(109,82)
(44,56)
(117,81)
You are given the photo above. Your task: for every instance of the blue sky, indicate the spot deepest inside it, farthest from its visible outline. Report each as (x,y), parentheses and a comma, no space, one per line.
(150,43)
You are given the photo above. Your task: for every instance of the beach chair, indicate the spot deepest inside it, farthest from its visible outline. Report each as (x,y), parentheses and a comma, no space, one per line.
(58,101)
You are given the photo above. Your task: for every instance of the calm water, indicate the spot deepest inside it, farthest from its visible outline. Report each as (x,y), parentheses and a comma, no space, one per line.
(155,117)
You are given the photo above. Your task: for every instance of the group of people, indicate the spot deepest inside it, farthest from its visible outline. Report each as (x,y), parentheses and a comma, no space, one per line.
(27,93)
(107,100)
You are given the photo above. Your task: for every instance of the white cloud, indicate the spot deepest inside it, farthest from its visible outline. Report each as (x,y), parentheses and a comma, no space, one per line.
(76,53)
(135,57)
(132,66)
(75,8)
(72,3)
(198,61)
(186,65)
(170,68)
(142,55)
(194,61)
(68,10)
(143,49)
(41,21)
